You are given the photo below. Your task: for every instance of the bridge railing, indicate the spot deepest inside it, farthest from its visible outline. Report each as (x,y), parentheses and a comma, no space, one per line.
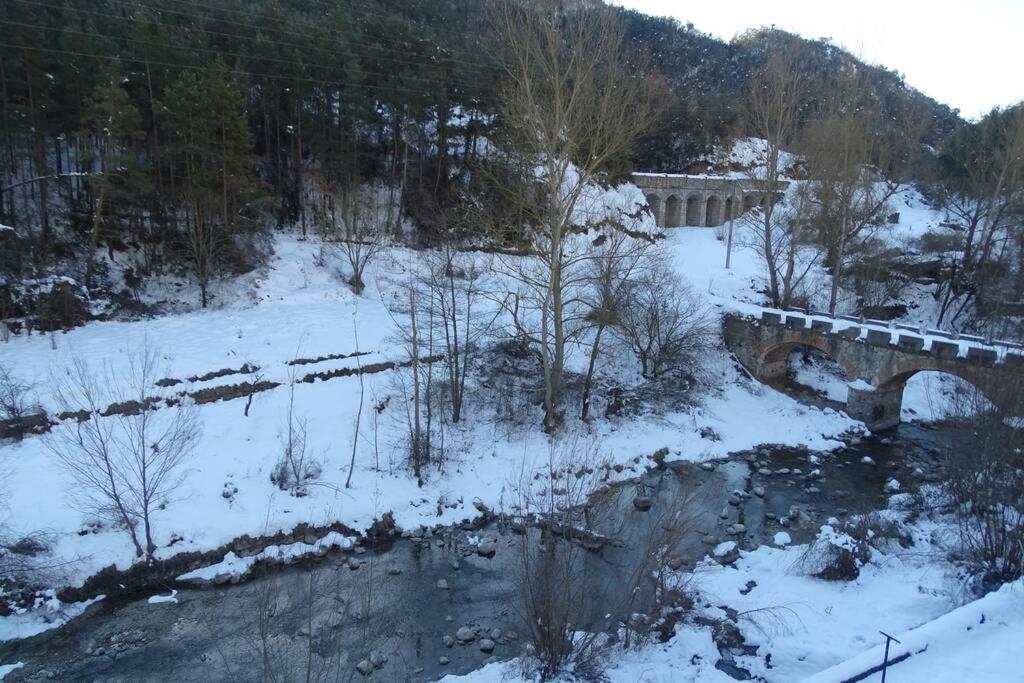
(907,338)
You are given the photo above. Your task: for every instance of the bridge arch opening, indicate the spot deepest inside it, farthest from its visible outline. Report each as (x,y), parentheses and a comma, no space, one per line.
(713,211)
(933,394)
(672,211)
(729,209)
(693,210)
(806,367)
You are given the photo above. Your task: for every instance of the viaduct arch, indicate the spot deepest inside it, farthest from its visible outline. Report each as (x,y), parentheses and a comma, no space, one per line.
(702,201)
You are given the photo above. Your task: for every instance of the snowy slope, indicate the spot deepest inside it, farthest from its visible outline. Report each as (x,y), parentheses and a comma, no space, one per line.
(980,641)
(301,309)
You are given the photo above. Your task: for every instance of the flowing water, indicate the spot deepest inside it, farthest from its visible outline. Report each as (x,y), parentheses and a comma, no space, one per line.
(385,604)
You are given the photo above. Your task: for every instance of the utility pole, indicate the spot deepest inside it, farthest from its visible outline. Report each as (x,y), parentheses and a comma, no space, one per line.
(732,213)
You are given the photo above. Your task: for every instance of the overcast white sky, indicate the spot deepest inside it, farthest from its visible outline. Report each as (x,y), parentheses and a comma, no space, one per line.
(965,53)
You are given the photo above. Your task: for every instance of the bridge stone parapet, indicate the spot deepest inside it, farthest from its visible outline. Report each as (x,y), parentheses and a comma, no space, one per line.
(877,358)
(705,201)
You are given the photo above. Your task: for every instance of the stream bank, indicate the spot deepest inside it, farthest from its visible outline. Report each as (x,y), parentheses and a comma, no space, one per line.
(445,601)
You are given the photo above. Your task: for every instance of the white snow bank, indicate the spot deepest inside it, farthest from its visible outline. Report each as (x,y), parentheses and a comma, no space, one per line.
(47,613)
(980,641)
(860,385)
(808,624)
(164,599)
(8,668)
(233,567)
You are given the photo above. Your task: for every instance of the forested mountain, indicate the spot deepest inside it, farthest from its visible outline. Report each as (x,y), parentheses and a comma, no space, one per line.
(179,129)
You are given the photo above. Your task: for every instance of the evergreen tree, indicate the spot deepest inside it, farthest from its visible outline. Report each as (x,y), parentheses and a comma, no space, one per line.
(114,127)
(209,152)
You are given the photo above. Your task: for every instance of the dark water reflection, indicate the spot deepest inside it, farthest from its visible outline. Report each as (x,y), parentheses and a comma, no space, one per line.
(391,604)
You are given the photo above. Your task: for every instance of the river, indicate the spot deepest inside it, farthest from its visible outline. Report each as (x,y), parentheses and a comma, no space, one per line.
(396,606)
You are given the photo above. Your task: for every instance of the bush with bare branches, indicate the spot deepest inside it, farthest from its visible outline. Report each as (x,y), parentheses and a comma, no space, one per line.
(123,451)
(295,469)
(663,322)
(17,404)
(985,475)
(575,610)
(356,221)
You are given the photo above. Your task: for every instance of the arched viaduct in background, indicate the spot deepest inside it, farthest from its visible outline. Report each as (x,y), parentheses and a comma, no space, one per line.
(705,201)
(877,358)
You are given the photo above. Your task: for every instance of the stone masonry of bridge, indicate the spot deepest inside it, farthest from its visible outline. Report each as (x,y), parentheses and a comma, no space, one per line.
(877,358)
(705,201)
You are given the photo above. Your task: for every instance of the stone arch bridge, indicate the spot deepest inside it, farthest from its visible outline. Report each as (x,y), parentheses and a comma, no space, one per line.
(877,357)
(705,201)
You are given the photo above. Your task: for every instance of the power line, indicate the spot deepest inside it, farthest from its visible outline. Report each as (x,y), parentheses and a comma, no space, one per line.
(344,5)
(252,38)
(173,65)
(236,55)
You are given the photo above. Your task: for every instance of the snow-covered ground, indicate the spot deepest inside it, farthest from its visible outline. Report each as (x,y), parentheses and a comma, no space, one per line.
(809,629)
(302,309)
(299,307)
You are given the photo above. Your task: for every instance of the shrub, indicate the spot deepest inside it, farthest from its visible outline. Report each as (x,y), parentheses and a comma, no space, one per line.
(663,323)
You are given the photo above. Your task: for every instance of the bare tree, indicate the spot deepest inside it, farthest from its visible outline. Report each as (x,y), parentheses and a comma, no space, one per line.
(984,194)
(356,218)
(415,322)
(771,112)
(985,470)
(359,410)
(853,173)
(205,245)
(572,106)
(663,322)
(121,448)
(553,578)
(566,601)
(17,403)
(296,468)
(619,258)
(454,281)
